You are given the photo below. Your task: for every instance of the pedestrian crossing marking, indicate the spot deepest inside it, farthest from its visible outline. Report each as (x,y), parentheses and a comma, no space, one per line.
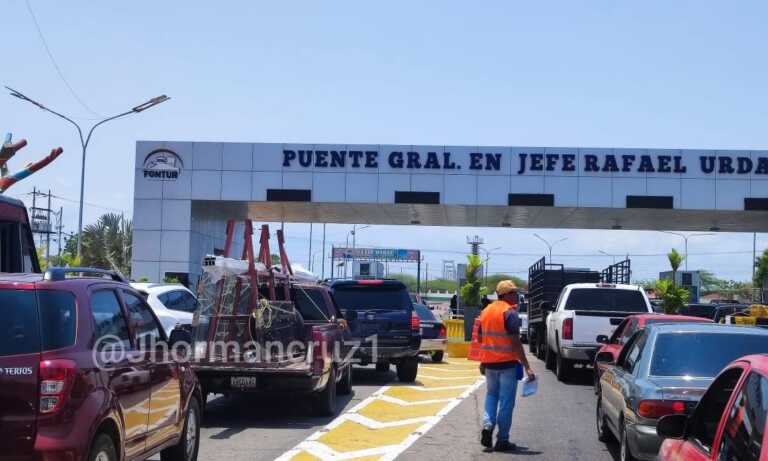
(352,436)
(384,411)
(413,395)
(385,424)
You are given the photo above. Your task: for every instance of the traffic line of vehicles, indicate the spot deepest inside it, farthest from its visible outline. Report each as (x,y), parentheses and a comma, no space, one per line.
(701,385)
(90,365)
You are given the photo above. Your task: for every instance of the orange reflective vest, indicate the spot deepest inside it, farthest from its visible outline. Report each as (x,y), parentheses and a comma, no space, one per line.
(496,344)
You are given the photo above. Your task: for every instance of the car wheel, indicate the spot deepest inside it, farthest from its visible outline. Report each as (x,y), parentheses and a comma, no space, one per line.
(186,449)
(625,454)
(407,369)
(549,358)
(103,449)
(345,385)
(563,368)
(437,356)
(325,400)
(382,367)
(603,433)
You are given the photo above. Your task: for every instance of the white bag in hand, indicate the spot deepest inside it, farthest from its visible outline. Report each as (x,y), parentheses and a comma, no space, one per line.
(530,387)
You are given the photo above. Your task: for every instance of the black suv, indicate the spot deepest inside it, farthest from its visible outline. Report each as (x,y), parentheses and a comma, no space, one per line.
(381,317)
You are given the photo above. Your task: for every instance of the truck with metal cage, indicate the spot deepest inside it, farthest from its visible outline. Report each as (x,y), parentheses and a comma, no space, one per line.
(260,328)
(569,308)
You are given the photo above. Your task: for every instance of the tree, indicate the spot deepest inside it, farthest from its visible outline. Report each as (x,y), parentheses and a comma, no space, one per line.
(672,297)
(761,269)
(473,289)
(494,279)
(106,244)
(407,279)
(675,259)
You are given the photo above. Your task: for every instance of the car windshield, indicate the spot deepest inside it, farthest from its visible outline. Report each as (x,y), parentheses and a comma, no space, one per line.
(423,312)
(701,354)
(365,297)
(606,299)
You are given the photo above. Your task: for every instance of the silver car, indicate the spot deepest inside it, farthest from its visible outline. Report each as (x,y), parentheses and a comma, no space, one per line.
(664,369)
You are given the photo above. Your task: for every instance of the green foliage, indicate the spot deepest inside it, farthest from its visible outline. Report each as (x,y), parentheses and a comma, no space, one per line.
(675,259)
(170,279)
(439,285)
(493,280)
(672,297)
(41,258)
(473,289)
(65,260)
(144,279)
(761,269)
(106,244)
(275,259)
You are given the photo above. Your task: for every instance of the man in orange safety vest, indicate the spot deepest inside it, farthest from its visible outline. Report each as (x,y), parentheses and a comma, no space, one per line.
(502,359)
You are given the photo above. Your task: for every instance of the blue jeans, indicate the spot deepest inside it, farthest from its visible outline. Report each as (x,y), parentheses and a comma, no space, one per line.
(500,400)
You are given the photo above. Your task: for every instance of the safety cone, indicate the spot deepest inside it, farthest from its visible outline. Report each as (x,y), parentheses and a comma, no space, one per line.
(474,345)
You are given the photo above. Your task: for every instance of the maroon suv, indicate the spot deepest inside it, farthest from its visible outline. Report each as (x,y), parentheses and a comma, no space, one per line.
(84,374)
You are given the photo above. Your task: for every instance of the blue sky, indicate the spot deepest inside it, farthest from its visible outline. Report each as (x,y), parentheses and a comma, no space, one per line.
(572,73)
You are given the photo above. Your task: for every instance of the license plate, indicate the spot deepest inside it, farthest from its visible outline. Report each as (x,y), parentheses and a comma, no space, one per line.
(243,382)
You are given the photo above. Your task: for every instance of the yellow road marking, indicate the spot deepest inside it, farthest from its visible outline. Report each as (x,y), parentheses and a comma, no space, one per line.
(386,412)
(429,382)
(414,395)
(386,423)
(352,436)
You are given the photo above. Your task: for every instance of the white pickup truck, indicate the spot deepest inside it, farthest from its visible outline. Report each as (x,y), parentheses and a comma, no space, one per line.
(583,312)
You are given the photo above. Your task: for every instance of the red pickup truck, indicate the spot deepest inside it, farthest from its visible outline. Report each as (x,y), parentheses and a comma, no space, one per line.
(259,329)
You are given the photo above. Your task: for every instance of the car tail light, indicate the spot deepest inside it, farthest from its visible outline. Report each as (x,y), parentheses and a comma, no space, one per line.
(442,332)
(655,409)
(56,377)
(415,322)
(568,329)
(320,357)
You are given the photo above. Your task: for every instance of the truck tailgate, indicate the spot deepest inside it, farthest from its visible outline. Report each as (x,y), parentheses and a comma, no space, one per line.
(588,325)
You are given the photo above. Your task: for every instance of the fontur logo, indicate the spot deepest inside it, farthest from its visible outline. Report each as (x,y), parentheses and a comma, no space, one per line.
(163,165)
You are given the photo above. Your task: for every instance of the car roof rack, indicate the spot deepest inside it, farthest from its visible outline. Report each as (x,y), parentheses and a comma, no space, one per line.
(55,274)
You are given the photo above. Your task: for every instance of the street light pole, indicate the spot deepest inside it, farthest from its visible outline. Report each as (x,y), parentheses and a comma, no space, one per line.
(487,261)
(550,245)
(85,140)
(608,254)
(685,242)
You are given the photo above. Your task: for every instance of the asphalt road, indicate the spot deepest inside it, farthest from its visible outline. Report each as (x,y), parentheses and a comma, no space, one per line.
(555,424)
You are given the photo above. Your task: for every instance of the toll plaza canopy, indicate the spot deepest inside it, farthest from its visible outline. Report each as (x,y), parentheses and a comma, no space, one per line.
(185,191)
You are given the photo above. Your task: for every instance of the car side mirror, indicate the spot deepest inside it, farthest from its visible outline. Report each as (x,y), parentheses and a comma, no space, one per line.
(602,339)
(350,315)
(605,357)
(672,426)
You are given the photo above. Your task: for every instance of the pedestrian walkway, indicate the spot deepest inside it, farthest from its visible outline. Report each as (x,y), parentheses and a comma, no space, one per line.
(385,424)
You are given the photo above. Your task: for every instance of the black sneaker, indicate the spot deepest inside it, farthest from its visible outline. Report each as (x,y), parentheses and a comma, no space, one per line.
(486,437)
(504,446)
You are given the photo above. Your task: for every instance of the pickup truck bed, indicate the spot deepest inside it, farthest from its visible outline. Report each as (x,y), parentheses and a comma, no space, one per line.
(585,311)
